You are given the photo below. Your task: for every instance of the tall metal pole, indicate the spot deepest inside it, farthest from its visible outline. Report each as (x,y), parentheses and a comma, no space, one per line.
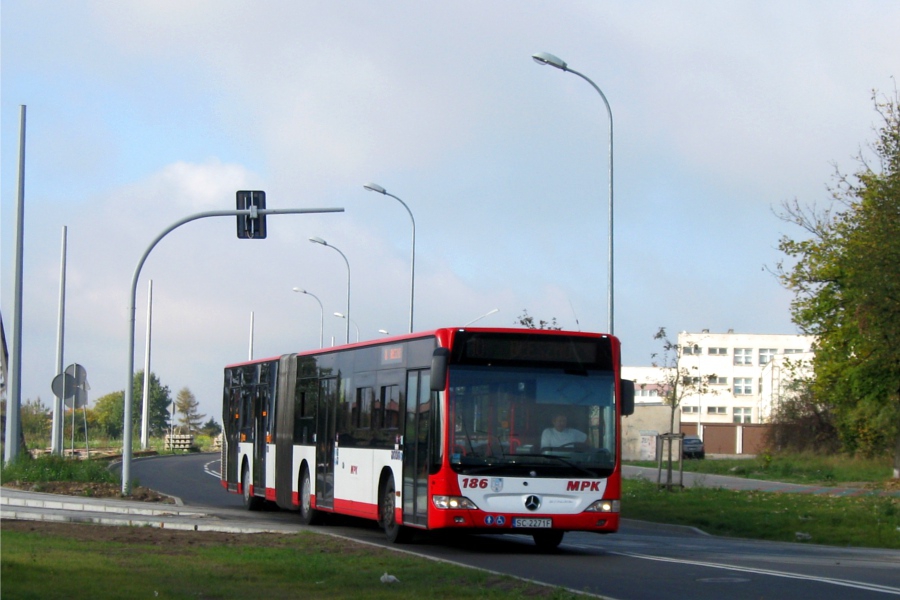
(145,416)
(250,350)
(544,58)
(129,387)
(56,435)
(14,395)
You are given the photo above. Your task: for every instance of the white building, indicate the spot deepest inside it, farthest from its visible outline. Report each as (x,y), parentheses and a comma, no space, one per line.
(747,374)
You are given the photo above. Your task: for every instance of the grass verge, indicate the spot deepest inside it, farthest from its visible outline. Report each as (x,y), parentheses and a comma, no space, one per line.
(175,564)
(865,521)
(809,469)
(56,468)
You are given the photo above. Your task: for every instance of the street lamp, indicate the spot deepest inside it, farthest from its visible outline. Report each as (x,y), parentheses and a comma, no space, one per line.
(384,332)
(544,58)
(342,316)
(322,317)
(374,187)
(318,240)
(487,314)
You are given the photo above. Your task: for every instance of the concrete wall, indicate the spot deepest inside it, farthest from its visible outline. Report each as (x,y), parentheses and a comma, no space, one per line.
(639,431)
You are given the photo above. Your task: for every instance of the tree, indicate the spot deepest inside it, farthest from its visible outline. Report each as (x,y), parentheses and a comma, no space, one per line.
(160,399)
(36,422)
(676,382)
(109,413)
(846,284)
(211,428)
(527,321)
(110,409)
(186,405)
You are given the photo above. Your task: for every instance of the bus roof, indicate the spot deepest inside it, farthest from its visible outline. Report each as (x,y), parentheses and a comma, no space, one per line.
(444,335)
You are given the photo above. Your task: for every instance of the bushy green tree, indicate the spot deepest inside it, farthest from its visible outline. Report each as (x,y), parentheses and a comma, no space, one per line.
(36,423)
(160,401)
(846,280)
(109,410)
(211,428)
(109,413)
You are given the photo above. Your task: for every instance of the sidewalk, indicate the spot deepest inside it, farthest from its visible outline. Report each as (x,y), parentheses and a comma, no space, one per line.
(743,484)
(36,506)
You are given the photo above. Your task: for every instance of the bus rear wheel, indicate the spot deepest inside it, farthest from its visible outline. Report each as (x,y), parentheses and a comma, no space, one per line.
(394,531)
(548,540)
(251,502)
(308,515)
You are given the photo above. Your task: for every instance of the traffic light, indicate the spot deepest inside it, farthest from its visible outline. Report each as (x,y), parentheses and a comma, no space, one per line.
(249,226)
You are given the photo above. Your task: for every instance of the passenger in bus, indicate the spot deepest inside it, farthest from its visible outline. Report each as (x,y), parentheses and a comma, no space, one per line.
(561,434)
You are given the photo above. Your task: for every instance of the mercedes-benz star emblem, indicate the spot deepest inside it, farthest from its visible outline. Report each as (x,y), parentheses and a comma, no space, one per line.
(532,502)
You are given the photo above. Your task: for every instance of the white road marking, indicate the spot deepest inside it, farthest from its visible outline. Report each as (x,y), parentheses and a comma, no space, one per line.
(210,471)
(871,587)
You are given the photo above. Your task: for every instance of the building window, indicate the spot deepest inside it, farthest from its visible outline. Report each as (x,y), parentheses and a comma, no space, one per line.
(717,351)
(743,386)
(713,380)
(645,392)
(690,349)
(793,351)
(689,409)
(715,410)
(742,415)
(766,355)
(743,356)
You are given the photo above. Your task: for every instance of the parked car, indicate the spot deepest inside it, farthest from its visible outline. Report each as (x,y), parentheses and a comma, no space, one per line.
(692,447)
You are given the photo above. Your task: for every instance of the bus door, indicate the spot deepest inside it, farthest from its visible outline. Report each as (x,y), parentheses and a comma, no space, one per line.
(263,415)
(232,429)
(417,441)
(325,438)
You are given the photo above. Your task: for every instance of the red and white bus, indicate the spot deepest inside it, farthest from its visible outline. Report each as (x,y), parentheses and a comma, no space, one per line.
(456,428)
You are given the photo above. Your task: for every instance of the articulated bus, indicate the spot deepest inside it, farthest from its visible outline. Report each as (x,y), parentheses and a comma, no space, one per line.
(468,429)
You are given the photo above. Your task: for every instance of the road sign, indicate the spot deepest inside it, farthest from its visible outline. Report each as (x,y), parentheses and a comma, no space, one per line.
(77,395)
(252,226)
(63,386)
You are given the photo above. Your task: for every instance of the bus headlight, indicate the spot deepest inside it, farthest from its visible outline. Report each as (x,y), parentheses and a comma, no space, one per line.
(453,502)
(605,506)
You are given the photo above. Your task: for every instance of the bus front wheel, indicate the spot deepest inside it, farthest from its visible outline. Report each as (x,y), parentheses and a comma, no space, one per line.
(548,540)
(395,532)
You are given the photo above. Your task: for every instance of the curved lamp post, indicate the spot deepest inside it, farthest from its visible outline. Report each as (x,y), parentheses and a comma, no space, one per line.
(342,316)
(487,314)
(374,187)
(318,240)
(545,58)
(322,317)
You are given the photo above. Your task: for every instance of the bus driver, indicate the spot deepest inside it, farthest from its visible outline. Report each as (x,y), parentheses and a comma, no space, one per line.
(561,435)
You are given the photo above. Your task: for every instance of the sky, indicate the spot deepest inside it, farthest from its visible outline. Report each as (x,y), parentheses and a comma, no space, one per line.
(142,113)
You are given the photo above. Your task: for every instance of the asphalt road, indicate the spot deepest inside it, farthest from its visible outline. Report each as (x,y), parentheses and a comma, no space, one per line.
(640,562)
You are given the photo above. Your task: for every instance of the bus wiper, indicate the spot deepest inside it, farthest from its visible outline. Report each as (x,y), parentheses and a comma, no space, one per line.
(568,463)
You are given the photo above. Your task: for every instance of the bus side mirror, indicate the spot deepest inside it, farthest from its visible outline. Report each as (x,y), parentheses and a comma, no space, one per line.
(439,361)
(627,397)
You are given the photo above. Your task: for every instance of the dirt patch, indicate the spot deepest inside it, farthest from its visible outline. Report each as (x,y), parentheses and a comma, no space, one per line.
(90,490)
(166,538)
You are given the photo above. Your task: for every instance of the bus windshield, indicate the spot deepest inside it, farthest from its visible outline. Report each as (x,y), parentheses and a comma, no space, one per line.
(546,422)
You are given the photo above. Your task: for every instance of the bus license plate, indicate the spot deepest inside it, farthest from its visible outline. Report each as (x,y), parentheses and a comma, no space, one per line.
(533,523)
